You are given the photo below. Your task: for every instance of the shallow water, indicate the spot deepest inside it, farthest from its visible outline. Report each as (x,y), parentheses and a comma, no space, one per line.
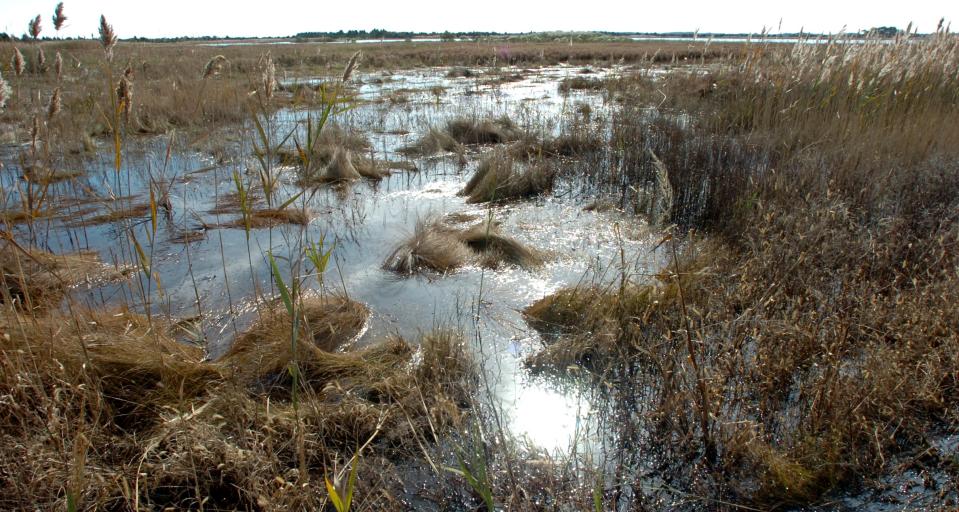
(367,221)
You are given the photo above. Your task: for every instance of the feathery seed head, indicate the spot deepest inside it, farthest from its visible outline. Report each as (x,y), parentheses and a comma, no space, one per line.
(58,65)
(35,27)
(54,108)
(269,77)
(351,66)
(213,66)
(18,63)
(108,37)
(58,17)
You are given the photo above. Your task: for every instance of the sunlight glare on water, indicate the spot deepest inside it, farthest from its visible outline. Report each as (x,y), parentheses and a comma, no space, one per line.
(546,418)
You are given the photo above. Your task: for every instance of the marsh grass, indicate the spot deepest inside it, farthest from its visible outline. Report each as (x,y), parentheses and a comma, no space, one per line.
(271,217)
(811,317)
(433,246)
(435,141)
(36,279)
(483,131)
(441,246)
(501,178)
(120,213)
(122,380)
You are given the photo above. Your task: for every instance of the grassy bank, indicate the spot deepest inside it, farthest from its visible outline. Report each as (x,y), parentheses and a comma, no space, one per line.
(805,340)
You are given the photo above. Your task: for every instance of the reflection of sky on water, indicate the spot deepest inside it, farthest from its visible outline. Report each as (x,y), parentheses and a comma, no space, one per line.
(367,221)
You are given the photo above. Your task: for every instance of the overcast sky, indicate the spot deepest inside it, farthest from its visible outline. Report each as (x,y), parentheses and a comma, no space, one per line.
(287,17)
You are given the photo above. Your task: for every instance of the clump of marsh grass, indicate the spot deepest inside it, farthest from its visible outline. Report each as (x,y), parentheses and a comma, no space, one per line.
(113,214)
(500,178)
(337,157)
(120,379)
(435,141)
(495,249)
(326,323)
(36,279)
(581,83)
(433,246)
(438,246)
(483,131)
(339,167)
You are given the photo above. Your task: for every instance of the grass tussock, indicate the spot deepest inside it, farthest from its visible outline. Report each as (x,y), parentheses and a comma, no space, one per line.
(435,141)
(440,246)
(483,131)
(433,246)
(500,177)
(196,434)
(266,349)
(594,326)
(36,279)
(338,164)
(495,249)
(581,83)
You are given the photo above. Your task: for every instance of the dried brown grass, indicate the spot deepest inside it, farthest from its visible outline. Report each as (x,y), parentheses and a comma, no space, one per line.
(499,177)
(36,279)
(440,246)
(183,431)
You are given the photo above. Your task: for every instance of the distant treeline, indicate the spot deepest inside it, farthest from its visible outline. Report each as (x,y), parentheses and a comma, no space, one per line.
(391,34)
(379,33)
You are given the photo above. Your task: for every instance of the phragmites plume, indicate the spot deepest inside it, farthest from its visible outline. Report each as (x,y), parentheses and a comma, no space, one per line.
(17,63)
(41,61)
(58,65)
(58,17)
(54,108)
(125,93)
(4,92)
(213,66)
(108,38)
(35,27)
(269,77)
(351,66)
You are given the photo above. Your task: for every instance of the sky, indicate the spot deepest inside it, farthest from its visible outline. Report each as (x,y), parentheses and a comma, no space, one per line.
(150,18)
